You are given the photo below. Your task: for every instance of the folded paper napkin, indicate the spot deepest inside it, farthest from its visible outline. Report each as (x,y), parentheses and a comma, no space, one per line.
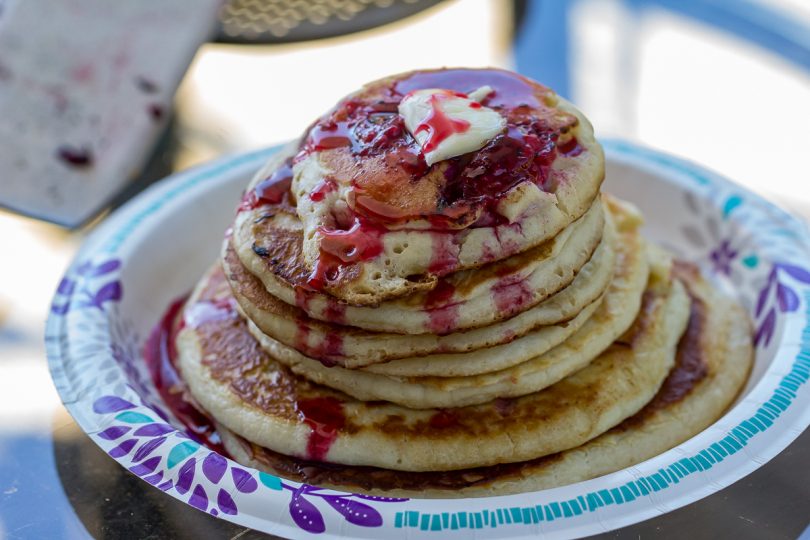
(85,86)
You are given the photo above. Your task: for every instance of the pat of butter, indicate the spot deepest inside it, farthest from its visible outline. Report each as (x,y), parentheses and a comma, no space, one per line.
(448,124)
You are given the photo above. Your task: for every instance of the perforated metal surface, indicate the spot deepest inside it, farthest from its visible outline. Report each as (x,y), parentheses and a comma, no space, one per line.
(284,21)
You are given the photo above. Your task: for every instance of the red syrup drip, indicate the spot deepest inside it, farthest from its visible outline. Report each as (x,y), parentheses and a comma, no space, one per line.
(570,148)
(327,268)
(330,347)
(270,190)
(440,295)
(302,298)
(361,242)
(443,320)
(335,312)
(339,248)
(442,315)
(511,294)
(444,254)
(324,416)
(328,135)
(326,351)
(160,356)
(302,337)
(438,125)
(323,188)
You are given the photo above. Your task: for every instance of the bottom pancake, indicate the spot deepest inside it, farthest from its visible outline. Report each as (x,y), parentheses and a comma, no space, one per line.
(249,393)
(713,359)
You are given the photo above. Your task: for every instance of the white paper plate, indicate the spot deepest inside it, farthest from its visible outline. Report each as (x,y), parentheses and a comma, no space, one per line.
(155,248)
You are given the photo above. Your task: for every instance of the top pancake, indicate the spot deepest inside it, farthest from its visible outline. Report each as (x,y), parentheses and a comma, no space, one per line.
(378,223)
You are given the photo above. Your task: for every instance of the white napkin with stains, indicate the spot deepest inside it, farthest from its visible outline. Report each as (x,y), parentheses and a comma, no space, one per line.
(85,88)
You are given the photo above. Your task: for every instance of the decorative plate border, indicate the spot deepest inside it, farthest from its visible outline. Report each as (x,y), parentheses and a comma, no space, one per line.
(95,363)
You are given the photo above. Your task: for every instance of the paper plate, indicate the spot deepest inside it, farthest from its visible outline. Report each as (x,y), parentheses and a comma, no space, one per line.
(154,249)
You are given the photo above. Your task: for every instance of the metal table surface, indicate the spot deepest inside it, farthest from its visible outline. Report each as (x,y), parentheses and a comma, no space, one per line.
(55,483)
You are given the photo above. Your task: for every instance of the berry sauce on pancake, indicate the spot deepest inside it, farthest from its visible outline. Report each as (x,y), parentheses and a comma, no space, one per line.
(366,144)
(324,415)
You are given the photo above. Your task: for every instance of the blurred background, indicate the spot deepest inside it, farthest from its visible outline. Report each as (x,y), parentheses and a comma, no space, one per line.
(725,84)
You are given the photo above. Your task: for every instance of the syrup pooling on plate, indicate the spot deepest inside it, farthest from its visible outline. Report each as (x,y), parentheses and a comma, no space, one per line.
(160,355)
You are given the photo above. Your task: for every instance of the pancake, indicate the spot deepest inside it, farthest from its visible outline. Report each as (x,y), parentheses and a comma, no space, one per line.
(378,223)
(335,344)
(525,365)
(713,359)
(269,247)
(254,396)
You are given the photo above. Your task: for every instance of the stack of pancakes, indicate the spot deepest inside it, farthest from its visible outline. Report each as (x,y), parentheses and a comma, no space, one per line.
(484,325)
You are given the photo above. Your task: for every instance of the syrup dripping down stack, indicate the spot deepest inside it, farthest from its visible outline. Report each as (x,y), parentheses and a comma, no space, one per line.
(392,314)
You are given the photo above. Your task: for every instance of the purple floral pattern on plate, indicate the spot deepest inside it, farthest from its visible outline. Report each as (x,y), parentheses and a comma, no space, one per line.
(89,293)
(777,296)
(730,254)
(722,257)
(204,481)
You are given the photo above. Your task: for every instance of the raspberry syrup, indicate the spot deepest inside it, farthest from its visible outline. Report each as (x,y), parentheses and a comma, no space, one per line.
(362,241)
(325,351)
(438,125)
(511,295)
(442,313)
(160,355)
(270,190)
(323,188)
(470,186)
(324,416)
